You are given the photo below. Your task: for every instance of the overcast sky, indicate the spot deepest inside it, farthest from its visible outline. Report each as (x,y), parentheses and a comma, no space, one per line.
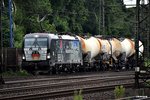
(132,2)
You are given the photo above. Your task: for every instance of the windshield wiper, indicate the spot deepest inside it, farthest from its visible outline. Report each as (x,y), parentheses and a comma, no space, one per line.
(35,43)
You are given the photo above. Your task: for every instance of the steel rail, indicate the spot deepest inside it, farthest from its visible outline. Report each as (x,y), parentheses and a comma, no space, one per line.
(67,92)
(63,78)
(105,79)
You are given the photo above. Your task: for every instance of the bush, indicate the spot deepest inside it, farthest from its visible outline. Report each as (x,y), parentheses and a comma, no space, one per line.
(119,92)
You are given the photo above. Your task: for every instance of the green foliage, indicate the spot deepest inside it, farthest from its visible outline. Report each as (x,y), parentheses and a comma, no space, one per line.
(147,84)
(78,95)
(116,18)
(76,16)
(119,91)
(18,34)
(147,63)
(17,73)
(61,24)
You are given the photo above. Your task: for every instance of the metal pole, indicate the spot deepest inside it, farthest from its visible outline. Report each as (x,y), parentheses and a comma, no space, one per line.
(1,45)
(149,29)
(103,8)
(137,68)
(1,39)
(10,23)
(100,17)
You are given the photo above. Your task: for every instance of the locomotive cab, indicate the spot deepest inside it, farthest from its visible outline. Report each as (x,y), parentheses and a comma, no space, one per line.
(35,49)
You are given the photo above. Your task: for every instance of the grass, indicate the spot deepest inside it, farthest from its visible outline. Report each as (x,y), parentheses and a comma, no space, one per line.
(17,73)
(119,92)
(78,95)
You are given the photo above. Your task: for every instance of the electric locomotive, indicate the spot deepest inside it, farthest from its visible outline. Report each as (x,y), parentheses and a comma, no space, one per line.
(46,52)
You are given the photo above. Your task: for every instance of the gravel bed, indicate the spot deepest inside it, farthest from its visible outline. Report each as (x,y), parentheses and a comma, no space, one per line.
(52,82)
(55,79)
(76,86)
(102,74)
(107,95)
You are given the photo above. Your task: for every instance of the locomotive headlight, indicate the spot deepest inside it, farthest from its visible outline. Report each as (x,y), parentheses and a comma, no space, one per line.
(48,56)
(23,57)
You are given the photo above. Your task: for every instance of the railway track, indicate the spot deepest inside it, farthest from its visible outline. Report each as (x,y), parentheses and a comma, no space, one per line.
(53,79)
(67,92)
(85,74)
(65,86)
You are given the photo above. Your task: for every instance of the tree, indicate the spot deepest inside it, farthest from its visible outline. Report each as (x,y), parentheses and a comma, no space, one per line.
(76,16)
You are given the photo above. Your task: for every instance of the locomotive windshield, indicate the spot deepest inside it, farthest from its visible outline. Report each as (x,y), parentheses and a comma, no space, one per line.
(36,42)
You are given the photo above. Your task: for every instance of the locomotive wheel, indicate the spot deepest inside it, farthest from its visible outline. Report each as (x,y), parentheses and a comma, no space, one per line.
(53,70)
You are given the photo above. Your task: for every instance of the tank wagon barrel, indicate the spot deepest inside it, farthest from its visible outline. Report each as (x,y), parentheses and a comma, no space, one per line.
(91,46)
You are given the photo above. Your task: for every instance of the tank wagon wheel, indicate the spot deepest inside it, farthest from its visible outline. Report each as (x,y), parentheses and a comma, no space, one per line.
(55,70)
(115,66)
(81,68)
(132,63)
(52,69)
(97,67)
(120,65)
(76,68)
(103,66)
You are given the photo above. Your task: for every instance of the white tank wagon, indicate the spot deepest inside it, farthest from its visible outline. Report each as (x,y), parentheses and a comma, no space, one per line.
(128,50)
(111,47)
(128,46)
(90,47)
(116,48)
(101,49)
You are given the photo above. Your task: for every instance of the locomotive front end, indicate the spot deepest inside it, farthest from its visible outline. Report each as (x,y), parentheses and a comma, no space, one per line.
(35,52)
(35,48)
